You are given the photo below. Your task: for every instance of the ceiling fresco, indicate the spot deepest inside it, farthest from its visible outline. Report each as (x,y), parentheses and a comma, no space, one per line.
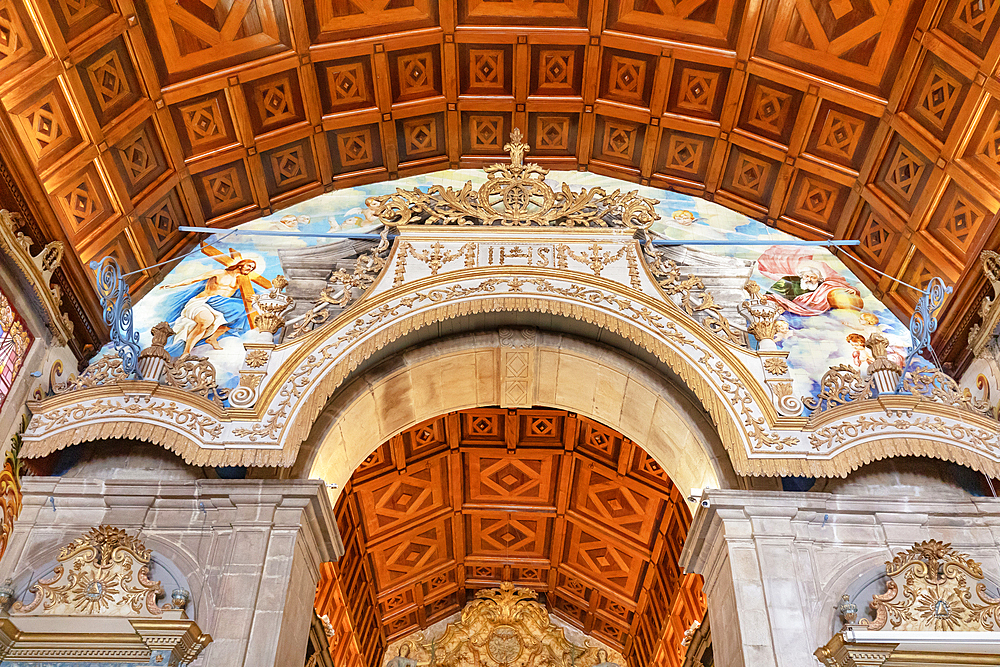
(848,119)
(827,309)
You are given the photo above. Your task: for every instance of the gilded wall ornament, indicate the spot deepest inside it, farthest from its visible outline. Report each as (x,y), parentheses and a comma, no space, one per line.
(515,195)
(936,594)
(104,572)
(196,375)
(502,627)
(775,365)
(271,305)
(38,269)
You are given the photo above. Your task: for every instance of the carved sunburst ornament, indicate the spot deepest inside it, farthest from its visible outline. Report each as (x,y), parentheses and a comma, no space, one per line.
(936,594)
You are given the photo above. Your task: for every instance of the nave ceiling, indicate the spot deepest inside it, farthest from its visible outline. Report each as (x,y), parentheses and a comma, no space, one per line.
(545,499)
(844,119)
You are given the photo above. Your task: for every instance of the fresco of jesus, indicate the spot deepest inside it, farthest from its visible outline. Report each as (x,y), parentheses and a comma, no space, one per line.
(208,309)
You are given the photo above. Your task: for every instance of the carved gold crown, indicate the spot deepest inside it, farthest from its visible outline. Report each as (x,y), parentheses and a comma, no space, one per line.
(515,195)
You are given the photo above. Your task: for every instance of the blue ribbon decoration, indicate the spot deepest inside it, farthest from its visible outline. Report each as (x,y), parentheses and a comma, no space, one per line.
(117,304)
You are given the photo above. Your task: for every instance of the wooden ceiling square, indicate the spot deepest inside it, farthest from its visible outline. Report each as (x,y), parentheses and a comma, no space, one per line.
(507,535)
(421,137)
(525,478)
(684,155)
(84,203)
(335,20)
(644,467)
(484,133)
(598,442)
(110,81)
(841,135)
(750,175)
(540,428)
(424,440)
(568,609)
(604,497)
(903,173)
(627,77)
(439,584)
(769,109)
(618,141)
(398,602)
(593,556)
(918,272)
(410,557)
(530,576)
(983,149)
(19,45)
(345,84)
(553,134)
(439,609)
(224,189)
(46,126)
(816,200)
(203,123)
(958,221)
(556,70)
(483,427)
(289,167)
(415,73)
(159,224)
(274,101)
(486,69)
(120,247)
(523,12)
(973,24)
(879,237)
(377,463)
(402,625)
(75,17)
(388,504)
(139,159)
(697,90)
(195,37)
(937,96)
(611,632)
(708,22)
(355,148)
(855,42)
(616,611)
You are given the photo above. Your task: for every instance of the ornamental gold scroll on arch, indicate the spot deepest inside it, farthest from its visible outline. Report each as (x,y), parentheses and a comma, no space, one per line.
(501,627)
(930,588)
(103,572)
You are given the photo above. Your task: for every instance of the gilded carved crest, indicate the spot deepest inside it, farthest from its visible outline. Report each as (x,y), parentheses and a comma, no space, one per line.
(104,572)
(936,594)
(503,627)
(515,195)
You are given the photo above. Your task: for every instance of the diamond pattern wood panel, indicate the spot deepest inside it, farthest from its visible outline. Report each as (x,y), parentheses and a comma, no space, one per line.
(814,117)
(542,498)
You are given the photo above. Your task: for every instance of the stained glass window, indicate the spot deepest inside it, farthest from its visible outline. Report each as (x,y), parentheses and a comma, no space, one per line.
(15,339)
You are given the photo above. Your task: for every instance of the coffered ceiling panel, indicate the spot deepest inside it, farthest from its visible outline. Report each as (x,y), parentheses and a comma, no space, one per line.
(825,118)
(543,498)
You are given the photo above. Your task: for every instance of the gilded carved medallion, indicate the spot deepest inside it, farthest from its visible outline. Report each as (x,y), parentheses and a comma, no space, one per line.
(501,627)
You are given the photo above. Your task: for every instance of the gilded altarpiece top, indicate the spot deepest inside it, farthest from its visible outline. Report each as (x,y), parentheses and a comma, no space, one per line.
(501,627)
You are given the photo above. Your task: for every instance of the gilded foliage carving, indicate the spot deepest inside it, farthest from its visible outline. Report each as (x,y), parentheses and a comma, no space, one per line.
(503,626)
(515,195)
(934,579)
(197,375)
(104,572)
(841,384)
(695,300)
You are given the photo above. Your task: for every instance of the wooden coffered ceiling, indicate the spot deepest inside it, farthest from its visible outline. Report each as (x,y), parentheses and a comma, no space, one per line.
(542,498)
(877,121)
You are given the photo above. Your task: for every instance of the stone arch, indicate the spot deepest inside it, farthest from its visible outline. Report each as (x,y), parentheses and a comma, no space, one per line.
(464,371)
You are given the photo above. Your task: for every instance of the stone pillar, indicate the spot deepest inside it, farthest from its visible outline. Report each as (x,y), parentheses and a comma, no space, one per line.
(777,564)
(250,550)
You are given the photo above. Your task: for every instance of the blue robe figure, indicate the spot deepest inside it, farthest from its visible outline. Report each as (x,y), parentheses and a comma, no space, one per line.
(181,307)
